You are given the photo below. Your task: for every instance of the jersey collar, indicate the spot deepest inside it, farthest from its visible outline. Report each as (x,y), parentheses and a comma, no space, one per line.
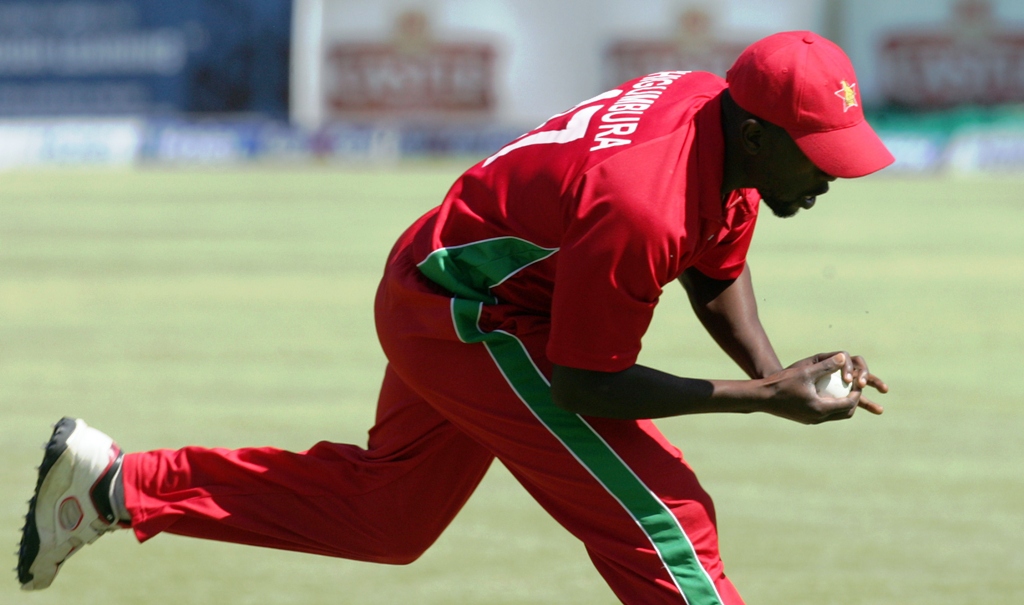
(710,154)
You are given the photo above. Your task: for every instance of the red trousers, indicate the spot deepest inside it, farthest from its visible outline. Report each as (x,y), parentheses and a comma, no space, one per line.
(466,383)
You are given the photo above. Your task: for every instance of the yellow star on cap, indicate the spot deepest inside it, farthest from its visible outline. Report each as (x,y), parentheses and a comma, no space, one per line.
(848,95)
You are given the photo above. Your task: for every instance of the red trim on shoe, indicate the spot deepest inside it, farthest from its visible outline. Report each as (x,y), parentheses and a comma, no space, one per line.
(115,452)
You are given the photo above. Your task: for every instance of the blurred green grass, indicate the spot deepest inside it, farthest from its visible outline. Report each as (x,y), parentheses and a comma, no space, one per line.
(172,307)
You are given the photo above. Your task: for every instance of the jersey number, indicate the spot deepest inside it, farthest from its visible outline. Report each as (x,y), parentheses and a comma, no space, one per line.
(575,129)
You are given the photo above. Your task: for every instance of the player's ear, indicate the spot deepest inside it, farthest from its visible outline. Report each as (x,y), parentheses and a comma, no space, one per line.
(752,136)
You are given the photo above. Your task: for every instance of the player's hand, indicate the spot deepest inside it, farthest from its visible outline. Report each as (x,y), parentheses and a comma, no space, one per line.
(855,371)
(793,395)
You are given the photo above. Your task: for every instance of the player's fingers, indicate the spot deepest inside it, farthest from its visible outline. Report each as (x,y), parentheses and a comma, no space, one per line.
(842,412)
(823,356)
(877,383)
(832,363)
(859,373)
(870,406)
(842,409)
(828,362)
(839,408)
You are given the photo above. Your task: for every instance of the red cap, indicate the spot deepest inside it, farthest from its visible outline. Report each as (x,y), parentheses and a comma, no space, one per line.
(805,84)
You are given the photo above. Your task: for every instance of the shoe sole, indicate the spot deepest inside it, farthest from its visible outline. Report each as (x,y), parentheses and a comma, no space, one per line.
(29,547)
(56,473)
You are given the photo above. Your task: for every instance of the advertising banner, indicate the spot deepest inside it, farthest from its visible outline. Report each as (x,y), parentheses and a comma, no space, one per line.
(513,61)
(937,54)
(49,142)
(970,59)
(696,45)
(144,57)
(410,74)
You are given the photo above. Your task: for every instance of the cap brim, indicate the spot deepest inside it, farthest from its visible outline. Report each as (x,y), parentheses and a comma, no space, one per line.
(846,152)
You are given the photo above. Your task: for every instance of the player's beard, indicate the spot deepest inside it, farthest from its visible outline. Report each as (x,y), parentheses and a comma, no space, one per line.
(787,209)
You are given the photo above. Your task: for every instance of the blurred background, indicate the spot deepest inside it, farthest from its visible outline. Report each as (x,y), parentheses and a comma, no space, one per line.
(122,82)
(197,198)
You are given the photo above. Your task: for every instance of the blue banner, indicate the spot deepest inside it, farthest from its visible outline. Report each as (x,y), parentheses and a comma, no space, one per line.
(144,57)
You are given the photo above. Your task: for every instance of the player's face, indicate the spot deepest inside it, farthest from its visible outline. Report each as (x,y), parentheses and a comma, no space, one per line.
(789,180)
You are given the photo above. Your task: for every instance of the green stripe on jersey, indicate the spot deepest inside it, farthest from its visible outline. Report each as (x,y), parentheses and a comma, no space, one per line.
(471,270)
(650,513)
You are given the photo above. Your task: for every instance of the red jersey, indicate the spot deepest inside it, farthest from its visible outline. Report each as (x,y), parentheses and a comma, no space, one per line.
(585,219)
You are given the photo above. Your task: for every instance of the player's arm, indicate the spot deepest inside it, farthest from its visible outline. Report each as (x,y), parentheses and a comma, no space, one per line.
(642,392)
(728,311)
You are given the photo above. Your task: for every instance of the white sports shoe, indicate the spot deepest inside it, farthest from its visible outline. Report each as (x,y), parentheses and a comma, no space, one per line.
(71,506)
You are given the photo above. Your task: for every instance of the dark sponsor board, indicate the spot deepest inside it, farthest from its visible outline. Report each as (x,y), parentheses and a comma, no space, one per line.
(144,57)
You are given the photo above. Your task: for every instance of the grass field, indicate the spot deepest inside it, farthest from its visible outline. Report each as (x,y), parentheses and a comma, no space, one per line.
(232,308)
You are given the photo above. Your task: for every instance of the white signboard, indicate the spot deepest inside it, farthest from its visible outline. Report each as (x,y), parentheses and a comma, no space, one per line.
(937,53)
(510,61)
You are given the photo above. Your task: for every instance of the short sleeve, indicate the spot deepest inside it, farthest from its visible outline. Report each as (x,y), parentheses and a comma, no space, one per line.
(726,260)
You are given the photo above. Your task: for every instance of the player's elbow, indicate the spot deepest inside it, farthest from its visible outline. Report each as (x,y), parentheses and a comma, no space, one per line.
(565,400)
(574,390)
(563,389)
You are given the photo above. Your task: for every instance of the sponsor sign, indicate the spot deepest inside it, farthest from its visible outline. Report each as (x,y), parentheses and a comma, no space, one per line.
(28,143)
(144,57)
(694,47)
(914,152)
(970,59)
(411,75)
(988,150)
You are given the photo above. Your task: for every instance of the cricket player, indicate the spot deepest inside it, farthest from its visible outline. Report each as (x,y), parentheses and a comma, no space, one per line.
(511,316)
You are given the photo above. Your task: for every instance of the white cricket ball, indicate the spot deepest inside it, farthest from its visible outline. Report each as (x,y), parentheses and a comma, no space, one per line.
(833,385)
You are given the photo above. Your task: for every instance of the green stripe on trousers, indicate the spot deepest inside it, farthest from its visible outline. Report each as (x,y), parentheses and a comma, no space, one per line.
(650,513)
